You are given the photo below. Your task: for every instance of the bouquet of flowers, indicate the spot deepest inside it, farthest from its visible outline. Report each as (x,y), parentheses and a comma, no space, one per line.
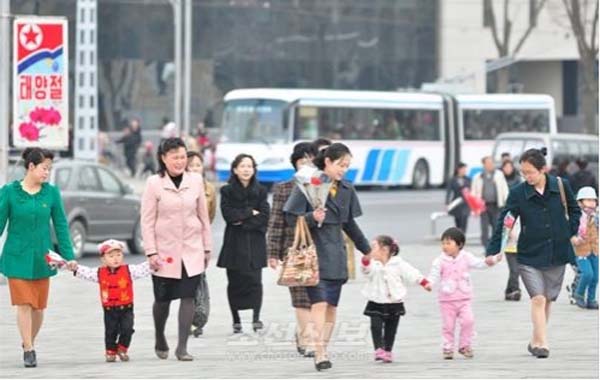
(476,204)
(314,184)
(507,226)
(55,260)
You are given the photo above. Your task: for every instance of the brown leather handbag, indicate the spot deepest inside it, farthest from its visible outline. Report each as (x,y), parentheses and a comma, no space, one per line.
(301,265)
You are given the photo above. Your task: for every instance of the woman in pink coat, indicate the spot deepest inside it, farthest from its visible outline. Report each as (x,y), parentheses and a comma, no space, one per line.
(177,241)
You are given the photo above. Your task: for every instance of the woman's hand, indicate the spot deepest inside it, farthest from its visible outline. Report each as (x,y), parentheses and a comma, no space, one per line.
(273,263)
(319,215)
(154,261)
(72,265)
(575,240)
(491,260)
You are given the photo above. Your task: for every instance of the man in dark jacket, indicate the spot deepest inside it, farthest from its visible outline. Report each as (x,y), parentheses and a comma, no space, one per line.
(583,177)
(131,140)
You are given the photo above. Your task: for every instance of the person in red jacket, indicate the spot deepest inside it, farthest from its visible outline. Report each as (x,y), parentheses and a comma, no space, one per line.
(116,294)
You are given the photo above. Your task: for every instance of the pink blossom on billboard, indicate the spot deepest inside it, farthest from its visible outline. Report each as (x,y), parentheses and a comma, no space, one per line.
(29,131)
(51,116)
(37,115)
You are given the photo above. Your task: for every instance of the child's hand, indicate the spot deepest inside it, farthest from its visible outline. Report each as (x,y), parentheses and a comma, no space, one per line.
(491,260)
(427,287)
(72,265)
(425,284)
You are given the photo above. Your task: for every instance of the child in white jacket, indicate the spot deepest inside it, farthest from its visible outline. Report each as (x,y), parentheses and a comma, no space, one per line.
(387,274)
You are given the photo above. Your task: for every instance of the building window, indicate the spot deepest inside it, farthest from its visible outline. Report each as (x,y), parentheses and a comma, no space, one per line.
(81,121)
(81,101)
(81,79)
(81,58)
(92,79)
(81,37)
(82,14)
(92,122)
(92,101)
(92,60)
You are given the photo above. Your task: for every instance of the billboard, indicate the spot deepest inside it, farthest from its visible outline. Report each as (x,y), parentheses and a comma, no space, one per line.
(40,83)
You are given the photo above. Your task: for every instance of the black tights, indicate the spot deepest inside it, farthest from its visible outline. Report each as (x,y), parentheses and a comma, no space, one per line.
(384,332)
(235,313)
(160,312)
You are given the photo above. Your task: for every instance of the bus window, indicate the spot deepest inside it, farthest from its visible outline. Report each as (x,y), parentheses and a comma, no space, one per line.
(560,152)
(485,124)
(367,124)
(254,121)
(512,146)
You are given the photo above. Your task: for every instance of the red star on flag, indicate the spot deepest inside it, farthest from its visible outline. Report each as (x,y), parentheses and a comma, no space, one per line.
(30,35)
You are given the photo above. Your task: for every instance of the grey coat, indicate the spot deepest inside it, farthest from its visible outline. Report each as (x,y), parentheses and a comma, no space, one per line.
(329,241)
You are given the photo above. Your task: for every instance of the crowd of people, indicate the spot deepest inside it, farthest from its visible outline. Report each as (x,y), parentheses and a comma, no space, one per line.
(178,206)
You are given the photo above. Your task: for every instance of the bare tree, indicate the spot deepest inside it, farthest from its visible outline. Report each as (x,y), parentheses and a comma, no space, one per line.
(503,41)
(584,28)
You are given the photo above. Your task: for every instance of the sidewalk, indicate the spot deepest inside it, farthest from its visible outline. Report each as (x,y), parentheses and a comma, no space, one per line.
(71,341)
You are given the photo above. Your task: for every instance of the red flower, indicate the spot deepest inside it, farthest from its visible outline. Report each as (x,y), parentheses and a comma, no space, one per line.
(52,117)
(37,115)
(315,181)
(29,131)
(169,260)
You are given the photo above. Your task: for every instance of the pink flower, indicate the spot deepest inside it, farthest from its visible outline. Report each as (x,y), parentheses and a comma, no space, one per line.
(52,117)
(37,115)
(29,131)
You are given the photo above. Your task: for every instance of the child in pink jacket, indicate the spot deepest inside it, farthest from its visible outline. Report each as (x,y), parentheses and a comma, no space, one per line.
(450,271)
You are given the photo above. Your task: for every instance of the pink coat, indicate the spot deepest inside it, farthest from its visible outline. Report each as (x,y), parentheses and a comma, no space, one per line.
(175,223)
(452,275)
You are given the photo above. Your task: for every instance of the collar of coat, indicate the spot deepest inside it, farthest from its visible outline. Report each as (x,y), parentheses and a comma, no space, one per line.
(551,185)
(167,182)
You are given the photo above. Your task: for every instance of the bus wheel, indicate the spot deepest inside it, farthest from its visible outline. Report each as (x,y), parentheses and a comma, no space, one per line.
(420,175)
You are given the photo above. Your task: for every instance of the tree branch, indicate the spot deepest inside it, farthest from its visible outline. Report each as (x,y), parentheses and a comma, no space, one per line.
(493,26)
(593,46)
(507,27)
(529,29)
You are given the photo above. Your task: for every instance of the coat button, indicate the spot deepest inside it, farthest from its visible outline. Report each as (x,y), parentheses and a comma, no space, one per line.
(547,226)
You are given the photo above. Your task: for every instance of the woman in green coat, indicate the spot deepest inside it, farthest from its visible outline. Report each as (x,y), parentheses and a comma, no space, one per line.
(28,206)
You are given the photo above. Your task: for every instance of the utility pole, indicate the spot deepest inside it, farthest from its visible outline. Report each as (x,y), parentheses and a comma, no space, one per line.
(176,4)
(187,71)
(5,80)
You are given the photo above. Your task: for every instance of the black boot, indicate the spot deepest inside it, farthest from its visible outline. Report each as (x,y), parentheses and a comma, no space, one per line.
(29,359)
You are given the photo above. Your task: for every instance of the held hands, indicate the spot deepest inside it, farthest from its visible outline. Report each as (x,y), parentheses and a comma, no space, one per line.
(72,265)
(493,259)
(575,240)
(319,215)
(154,261)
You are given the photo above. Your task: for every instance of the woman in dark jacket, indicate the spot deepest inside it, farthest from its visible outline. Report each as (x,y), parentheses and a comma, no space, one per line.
(510,174)
(244,253)
(545,242)
(338,215)
(455,202)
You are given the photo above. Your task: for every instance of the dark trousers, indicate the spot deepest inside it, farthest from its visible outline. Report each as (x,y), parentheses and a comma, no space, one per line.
(383,332)
(461,222)
(118,328)
(488,218)
(513,273)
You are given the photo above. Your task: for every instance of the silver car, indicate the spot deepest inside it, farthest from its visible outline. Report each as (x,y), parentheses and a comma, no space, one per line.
(98,205)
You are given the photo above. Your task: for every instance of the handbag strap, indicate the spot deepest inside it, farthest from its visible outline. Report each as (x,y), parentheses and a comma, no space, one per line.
(297,232)
(563,197)
(307,234)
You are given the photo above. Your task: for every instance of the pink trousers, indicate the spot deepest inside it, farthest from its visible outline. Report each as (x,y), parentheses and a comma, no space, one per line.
(451,311)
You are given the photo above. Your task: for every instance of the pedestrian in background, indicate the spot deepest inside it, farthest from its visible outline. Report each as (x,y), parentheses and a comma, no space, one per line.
(549,218)
(28,206)
(245,209)
(586,249)
(280,237)
(511,176)
(490,186)
(583,177)
(175,224)
(455,202)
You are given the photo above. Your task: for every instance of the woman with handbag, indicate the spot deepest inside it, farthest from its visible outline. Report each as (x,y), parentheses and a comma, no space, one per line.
(244,253)
(280,238)
(549,218)
(326,226)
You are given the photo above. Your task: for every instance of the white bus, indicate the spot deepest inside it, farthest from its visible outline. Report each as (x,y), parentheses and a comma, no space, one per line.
(396,138)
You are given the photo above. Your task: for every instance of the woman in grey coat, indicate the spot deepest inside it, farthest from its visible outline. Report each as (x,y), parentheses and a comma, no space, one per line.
(341,208)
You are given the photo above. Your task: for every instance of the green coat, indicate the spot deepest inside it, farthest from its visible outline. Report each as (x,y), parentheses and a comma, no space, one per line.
(29,238)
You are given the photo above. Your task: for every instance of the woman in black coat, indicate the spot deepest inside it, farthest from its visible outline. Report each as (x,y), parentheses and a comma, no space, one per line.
(549,218)
(455,202)
(244,253)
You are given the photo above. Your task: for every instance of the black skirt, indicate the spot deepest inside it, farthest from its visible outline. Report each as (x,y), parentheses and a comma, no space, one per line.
(384,310)
(168,289)
(244,289)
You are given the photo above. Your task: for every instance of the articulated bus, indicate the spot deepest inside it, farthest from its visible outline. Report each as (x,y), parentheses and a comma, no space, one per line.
(396,138)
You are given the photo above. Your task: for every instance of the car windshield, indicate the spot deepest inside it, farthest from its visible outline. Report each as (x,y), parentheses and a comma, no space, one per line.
(255,121)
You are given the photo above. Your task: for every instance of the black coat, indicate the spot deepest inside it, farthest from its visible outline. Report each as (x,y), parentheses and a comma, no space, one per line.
(583,178)
(244,244)
(453,191)
(545,232)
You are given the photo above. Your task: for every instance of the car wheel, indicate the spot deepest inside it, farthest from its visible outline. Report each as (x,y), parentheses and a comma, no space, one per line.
(420,175)
(78,237)
(136,244)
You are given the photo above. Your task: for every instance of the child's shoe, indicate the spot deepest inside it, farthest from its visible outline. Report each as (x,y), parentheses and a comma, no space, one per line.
(592,305)
(467,352)
(122,353)
(388,357)
(111,356)
(448,354)
(579,301)
(379,354)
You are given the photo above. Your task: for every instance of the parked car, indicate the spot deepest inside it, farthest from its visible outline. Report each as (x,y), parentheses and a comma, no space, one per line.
(561,147)
(98,204)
